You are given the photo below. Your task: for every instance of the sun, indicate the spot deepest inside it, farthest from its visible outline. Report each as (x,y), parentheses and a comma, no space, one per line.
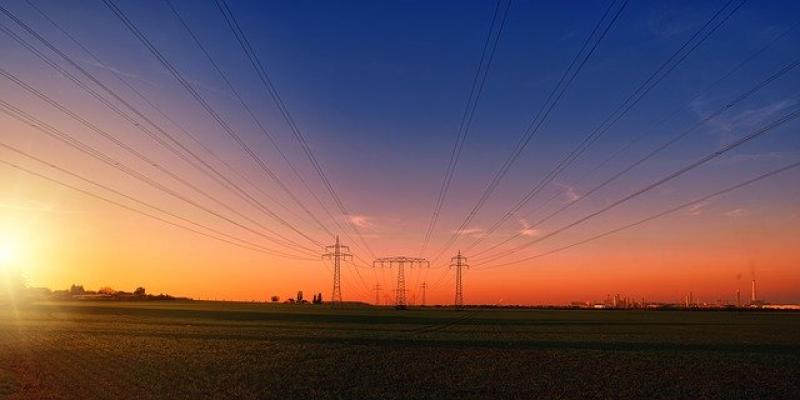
(12,250)
(7,253)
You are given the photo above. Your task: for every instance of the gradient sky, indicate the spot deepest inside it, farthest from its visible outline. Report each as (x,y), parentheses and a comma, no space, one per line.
(378,89)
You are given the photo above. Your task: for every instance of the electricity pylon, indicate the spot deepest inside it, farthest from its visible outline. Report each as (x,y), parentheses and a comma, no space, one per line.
(377,294)
(459,262)
(337,253)
(400,262)
(423,286)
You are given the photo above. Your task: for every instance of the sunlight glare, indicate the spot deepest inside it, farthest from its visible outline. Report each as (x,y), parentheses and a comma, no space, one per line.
(6,253)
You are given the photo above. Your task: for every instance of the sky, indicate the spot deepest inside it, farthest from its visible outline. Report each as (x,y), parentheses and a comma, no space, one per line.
(378,91)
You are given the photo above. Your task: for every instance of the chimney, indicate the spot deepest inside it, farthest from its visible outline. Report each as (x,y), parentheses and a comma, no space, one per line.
(753,297)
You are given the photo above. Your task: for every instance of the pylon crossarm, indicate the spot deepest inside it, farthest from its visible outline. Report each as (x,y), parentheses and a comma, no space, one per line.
(400,262)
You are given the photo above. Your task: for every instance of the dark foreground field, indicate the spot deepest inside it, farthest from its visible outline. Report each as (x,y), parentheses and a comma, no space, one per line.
(210,350)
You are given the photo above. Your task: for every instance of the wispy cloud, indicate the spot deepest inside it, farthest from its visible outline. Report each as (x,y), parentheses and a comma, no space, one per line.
(697,209)
(131,76)
(569,191)
(472,232)
(752,157)
(570,34)
(114,70)
(737,212)
(527,230)
(729,127)
(755,116)
(361,221)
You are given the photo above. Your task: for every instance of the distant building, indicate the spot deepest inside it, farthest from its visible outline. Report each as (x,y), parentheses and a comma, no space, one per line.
(782,306)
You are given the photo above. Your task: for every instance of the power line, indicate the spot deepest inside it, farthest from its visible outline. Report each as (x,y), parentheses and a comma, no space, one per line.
(703,160)
(255,119)
(656,216)
(236,242)
(646,132)
(438,281)
(351,280)
(356,269)
(697,96)
(478,81)
(207,107)
(159,209)
(45,128)
(136,153)
(263,76)
(248,110)
(645,87)
(569,75)
(233,24)
(216,175)
(673,140)
(128,118)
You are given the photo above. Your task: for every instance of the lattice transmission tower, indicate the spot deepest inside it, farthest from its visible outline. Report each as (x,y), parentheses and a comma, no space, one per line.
(337,253)
(377,294)
(459,262)
(400,262)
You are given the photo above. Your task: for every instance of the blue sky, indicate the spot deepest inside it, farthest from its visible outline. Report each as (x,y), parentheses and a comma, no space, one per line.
(384,84)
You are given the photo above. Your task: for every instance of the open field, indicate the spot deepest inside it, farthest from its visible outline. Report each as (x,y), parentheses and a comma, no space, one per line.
(214,350)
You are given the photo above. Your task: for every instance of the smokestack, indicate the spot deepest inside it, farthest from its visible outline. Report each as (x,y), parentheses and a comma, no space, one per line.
(738,298)
(753,297)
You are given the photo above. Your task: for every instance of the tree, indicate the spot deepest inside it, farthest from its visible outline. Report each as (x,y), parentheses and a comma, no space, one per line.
(275,299)
(76,290)
(105,290)
(139,291)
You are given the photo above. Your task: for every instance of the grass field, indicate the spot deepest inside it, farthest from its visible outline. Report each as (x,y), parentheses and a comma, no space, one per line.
(215,350)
